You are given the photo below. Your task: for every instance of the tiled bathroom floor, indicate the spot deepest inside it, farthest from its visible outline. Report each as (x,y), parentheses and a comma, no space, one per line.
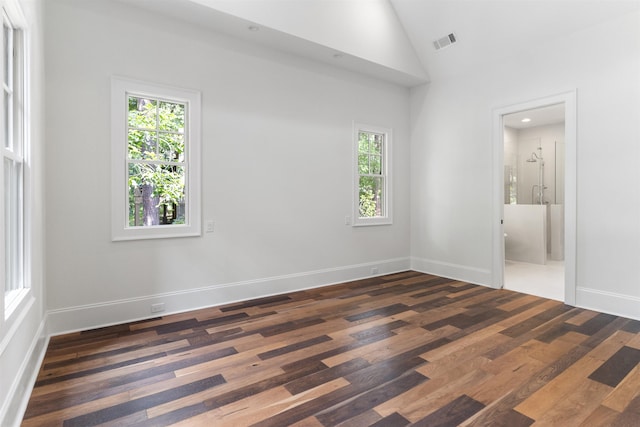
(541,280)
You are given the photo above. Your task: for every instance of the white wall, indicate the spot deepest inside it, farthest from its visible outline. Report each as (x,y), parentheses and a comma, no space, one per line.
(451,160)
(276,158)
(22,337)
(369,30)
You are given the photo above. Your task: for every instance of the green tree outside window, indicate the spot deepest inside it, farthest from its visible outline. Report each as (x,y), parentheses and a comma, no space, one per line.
(156,161)
(370,170)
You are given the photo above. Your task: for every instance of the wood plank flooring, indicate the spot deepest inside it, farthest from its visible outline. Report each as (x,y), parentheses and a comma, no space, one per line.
(398,350)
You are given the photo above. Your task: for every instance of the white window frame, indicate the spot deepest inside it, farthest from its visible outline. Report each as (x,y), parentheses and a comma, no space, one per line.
(121,88)
(17,92)
(387,218)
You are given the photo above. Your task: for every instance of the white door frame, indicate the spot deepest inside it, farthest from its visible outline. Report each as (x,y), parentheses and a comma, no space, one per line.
(570,188)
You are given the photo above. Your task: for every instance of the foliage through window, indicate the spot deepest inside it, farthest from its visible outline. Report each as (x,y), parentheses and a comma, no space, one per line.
(161,136)
(373,154)
(156,162)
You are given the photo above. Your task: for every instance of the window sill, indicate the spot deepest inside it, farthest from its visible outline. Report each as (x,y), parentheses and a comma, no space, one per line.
(156,232)
(368,222)
(12,300)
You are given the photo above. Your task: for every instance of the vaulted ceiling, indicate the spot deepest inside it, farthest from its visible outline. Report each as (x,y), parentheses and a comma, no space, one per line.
(490,30)
(393,39)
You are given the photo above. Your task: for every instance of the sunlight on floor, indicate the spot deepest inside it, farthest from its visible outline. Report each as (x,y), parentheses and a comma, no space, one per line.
(541,280)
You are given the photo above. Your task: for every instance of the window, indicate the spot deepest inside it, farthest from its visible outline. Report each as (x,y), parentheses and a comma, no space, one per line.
(13,161)
(155,161)
(373,175)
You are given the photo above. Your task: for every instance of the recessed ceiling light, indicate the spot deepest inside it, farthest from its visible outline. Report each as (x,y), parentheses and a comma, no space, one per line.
(526,120)
(253,28)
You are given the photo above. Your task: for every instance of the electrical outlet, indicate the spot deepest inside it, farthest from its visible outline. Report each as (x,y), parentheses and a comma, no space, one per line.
(156,308)
(374,270)
(209,225)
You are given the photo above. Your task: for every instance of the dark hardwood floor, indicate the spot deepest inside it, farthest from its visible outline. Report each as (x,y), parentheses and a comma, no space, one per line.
(404,349)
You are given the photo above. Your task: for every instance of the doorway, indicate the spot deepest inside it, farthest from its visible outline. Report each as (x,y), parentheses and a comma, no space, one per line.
(534,151)
(534,240)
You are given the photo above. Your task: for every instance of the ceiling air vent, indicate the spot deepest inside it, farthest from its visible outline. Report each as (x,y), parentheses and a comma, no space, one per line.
(445,41)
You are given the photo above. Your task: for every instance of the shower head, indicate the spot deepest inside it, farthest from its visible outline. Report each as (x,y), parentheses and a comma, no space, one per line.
(534,157)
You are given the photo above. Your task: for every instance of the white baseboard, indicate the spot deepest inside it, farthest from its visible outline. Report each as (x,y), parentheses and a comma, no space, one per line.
(608,302)
(592,299)
(18,397)
(463,273)
(115,312)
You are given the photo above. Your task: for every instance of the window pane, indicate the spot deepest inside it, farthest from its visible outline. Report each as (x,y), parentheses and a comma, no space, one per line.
(156,194)
(142,113)
(142,199)
(13,224)
(171,116)
(8,165)
(7,122)
(371,197)
(171,147)
(376,164)
(7,50)
(376,144)
(363,164)
(363,142)
(7,78)
(142,145)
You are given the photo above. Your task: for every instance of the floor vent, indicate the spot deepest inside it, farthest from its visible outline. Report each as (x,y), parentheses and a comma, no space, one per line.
(445,41)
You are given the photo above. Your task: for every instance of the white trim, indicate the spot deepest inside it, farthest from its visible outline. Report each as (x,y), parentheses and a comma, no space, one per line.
(14,10)
(387,173)
(463,273)
(497,237)
(608,302)
(116,312)
(570,221)
(13,408)
(13,323)
(120,230)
